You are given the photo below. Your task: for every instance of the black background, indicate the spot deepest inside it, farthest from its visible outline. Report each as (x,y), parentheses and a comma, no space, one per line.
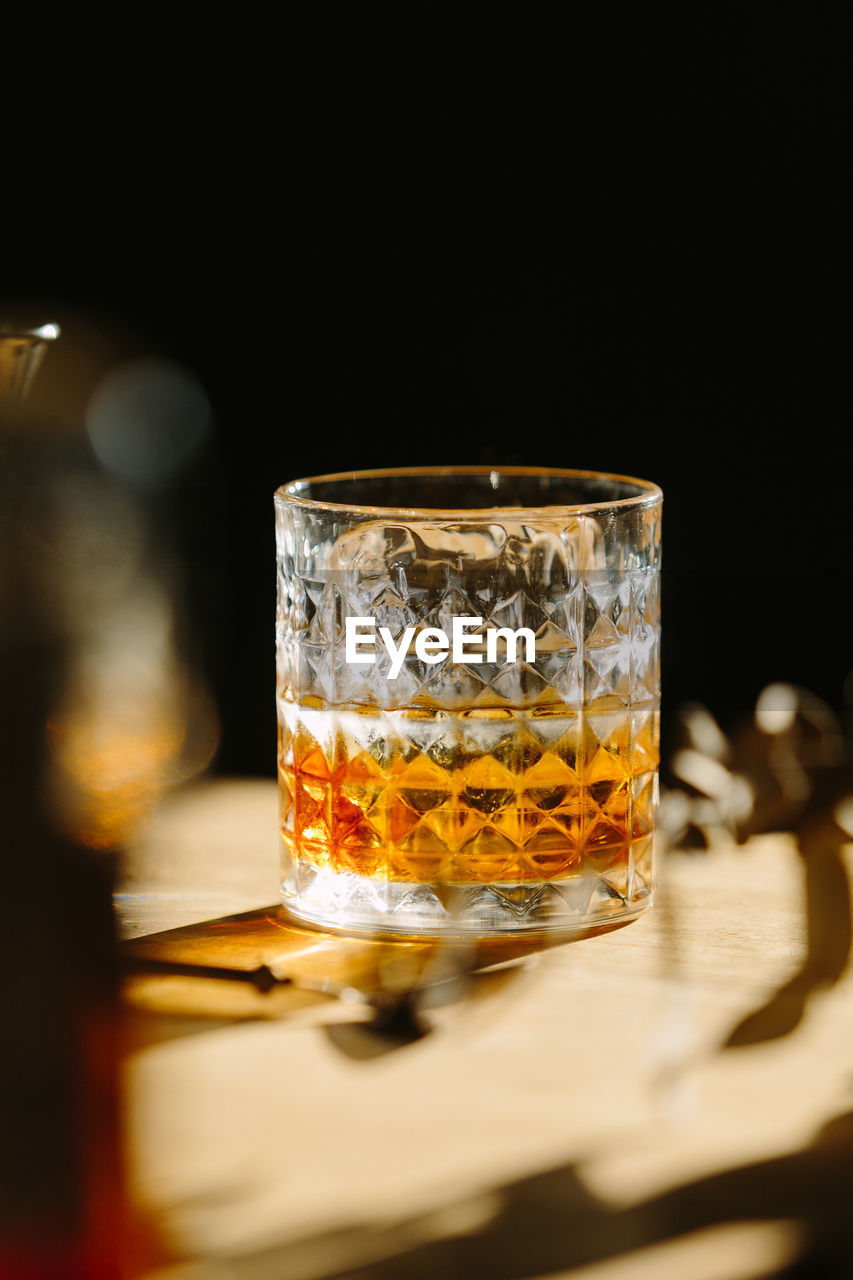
(383,238)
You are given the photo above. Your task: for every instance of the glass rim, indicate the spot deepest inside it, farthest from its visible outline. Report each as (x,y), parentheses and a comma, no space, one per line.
(291,493)
(48,332)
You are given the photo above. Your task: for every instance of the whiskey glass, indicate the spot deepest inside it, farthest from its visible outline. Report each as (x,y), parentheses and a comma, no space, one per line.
(468,690)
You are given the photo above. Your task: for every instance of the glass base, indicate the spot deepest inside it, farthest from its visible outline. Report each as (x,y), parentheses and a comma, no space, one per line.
(582,904)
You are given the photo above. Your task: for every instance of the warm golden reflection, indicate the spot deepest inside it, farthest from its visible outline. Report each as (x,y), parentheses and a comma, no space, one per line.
(133,721)
(114,770)
(263,948)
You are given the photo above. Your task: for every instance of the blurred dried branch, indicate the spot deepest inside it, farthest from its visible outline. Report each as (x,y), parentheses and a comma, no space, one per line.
(789,769)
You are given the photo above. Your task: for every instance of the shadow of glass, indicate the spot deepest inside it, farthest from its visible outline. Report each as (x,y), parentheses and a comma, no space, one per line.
(252,965)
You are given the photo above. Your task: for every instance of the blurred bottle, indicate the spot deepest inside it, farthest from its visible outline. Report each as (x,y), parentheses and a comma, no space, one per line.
(102,710)
(63,1207)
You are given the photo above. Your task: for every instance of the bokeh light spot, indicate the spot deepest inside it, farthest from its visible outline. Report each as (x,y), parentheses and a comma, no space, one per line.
(146,419)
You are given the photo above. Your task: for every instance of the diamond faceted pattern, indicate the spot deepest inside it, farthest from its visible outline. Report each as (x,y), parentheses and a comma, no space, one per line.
(601,639)
(414,799)
(524,773)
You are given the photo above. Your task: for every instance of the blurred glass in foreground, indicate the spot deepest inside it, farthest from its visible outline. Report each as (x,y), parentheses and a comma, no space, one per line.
(102,712)
(134,719)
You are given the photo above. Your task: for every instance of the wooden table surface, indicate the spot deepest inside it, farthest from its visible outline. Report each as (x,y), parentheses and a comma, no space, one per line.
(576,1115)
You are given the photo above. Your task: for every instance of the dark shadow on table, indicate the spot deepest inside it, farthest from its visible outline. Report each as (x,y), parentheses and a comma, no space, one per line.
(828,938)
(551,1223)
